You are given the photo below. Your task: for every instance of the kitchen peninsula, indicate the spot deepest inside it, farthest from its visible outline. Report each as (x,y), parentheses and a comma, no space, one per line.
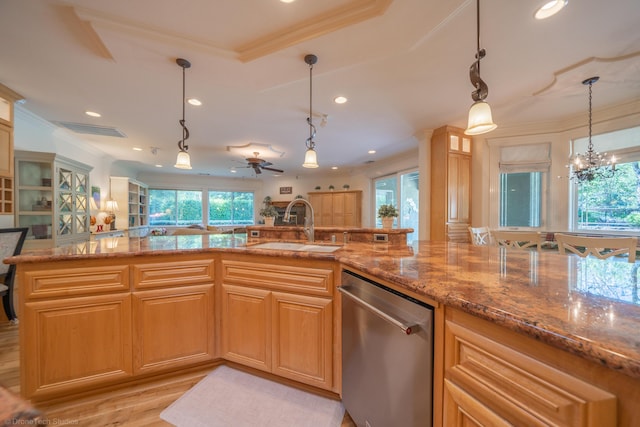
(518,335)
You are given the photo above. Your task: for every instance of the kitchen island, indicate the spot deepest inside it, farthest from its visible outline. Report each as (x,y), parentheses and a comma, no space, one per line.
(559,314)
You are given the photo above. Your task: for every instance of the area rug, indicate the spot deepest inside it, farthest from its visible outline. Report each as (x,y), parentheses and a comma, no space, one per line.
(228,397)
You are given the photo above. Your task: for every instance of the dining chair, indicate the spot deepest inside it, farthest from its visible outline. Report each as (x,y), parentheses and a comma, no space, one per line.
(11,241)
(600,247)
(480,236)
(518,239)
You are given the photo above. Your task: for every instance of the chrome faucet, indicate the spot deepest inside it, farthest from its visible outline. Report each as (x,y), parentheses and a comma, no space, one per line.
(308,219)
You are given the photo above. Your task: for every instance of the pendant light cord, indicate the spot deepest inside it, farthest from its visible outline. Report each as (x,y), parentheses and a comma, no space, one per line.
(478,35)
(310,59)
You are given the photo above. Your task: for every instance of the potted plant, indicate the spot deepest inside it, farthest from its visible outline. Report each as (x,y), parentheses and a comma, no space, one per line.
(387,213)
(268,212)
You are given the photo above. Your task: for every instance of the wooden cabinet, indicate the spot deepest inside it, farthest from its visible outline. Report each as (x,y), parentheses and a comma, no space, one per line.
(450,184)
(279,318)
(173,313)
(52,199)
(89,325)
(133,201)
(488,381)
(7,100)
(75,328)
(337,208)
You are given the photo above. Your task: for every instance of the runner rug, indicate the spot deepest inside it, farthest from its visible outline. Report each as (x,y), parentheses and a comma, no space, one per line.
(231,398)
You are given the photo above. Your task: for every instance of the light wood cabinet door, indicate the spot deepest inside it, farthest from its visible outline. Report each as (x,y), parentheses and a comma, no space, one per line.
(337,208)
(6,151)
(326,210)
(173,327)
(246,326)
(489,383)
(302,338)
(75,343)
(458,186)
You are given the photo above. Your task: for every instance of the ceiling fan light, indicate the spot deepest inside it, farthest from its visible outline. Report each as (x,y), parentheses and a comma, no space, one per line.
(480,119)
(183,161)
(310,159)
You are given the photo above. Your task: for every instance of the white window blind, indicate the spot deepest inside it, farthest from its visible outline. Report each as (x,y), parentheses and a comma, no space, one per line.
(525,158)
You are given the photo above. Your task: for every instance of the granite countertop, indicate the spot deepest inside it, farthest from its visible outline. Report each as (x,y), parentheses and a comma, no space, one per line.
(589,307)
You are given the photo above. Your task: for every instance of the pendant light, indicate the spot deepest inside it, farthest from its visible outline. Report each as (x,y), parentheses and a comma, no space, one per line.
(310,157)
(183,161)
(480,120)
(592,165)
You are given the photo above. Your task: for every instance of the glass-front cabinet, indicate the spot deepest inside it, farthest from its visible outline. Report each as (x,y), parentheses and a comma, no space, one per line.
(52,198)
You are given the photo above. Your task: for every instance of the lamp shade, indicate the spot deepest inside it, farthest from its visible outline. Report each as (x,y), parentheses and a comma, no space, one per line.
(310,159)
(183,161)
(111,206)
(92,204)
(480,120)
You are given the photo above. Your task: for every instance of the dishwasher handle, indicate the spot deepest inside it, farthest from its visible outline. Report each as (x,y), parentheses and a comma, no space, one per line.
(407,329)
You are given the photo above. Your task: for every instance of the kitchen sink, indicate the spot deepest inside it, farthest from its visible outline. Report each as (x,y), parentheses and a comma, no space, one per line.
(290,246)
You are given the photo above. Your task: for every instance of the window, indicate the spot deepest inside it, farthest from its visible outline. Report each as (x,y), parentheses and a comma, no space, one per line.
(523,176)
(611,204)
(387,190)
(175,207)
(230,208)
(520,196)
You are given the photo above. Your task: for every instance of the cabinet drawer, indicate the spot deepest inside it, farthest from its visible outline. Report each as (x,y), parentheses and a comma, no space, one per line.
(172,273)
(483,376)
(46,283)
(316,281)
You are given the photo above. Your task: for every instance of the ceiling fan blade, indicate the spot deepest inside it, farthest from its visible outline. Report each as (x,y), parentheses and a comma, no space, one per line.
(274,170)
(257,169)
(263,164)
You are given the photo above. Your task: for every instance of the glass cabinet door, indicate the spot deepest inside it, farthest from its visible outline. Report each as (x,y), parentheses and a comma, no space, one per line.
(72,202)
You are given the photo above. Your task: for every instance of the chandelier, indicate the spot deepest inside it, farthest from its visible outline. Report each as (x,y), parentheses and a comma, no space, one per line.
(592,164)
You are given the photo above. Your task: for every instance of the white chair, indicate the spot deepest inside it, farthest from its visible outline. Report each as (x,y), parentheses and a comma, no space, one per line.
(480,236)
(600,247)
(518,239)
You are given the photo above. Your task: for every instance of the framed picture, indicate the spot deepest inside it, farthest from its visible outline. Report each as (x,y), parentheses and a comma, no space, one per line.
(286,190)
(95,195)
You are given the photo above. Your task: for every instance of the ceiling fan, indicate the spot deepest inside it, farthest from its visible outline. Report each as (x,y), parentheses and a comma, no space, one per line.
(259,165)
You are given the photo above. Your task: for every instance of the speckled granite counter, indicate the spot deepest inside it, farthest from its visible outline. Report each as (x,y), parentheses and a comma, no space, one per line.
(588,307)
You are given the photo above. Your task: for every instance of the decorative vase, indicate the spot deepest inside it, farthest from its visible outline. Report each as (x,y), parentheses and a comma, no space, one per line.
(269,220)
(387,222)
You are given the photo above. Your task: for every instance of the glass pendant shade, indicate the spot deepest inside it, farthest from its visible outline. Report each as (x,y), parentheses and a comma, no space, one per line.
(310,159)
(183,161)
(480,120)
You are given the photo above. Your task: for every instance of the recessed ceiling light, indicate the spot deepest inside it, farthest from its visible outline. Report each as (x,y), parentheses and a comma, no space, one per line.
(137,149)
(158,166)
(550,8)
(371,151)
(194,101)
(287,1)
(334,167)
(233,171)
(340,99)
(93,114)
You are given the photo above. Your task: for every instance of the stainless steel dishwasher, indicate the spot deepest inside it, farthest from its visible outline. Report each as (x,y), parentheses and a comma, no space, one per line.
(387,355)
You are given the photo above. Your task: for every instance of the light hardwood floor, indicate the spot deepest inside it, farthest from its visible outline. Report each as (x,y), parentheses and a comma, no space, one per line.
(138,405)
